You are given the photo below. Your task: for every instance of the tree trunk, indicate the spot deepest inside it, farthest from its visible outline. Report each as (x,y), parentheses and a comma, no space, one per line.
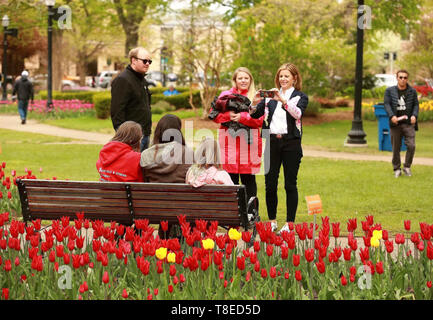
(57,59)
(82,67)
(131,38)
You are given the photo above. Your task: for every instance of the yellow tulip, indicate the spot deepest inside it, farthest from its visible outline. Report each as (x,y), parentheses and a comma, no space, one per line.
(374,242)
(208,244)
(161,253)
(234,234)
(377,234)
(171,257)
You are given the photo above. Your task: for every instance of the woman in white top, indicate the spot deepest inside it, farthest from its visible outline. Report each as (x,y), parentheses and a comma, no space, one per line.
(283,114)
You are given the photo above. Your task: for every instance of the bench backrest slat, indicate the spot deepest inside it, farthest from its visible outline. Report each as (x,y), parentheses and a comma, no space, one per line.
(108,201)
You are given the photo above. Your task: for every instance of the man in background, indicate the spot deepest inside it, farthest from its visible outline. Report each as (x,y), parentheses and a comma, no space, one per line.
(23,88)
(401,104)
(130,96)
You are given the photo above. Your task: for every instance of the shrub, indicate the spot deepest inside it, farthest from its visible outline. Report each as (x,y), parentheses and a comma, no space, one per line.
(163,105)
(367,94)
(179,101)
(102,102)
(85,96)
(313,108)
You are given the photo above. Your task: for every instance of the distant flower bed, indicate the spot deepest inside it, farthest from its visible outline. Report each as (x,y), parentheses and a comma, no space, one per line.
(61,109)
(425,111)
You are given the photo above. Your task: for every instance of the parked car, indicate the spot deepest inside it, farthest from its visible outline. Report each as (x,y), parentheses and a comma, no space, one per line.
(69,85)
(104,78)
(154,78)
(387,80)
(426,88)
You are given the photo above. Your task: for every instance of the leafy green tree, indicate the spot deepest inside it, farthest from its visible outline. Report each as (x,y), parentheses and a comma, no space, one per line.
(131,13)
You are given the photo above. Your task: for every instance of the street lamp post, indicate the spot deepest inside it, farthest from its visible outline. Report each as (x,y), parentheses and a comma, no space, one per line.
(5,24)
(356,135)
(6,31)
(50,4)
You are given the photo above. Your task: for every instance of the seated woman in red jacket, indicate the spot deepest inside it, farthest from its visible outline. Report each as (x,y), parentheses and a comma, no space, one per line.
(119,159)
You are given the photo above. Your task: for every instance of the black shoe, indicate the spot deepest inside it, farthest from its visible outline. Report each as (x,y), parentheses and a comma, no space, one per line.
(23,121)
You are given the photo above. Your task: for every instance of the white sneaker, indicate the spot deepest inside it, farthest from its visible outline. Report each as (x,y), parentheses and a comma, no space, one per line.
(274,226)
(407,172)
(285,228)
(397,173)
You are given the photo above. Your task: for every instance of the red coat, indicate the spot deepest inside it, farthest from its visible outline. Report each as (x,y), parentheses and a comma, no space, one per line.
(118,162)
(236,154)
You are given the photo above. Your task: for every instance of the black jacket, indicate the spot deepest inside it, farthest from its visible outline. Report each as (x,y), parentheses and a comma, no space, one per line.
(130,100)
(24,89)
(291,122)
(391,103)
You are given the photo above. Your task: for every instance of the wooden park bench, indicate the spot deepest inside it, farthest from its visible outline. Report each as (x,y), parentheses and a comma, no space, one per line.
(123,202)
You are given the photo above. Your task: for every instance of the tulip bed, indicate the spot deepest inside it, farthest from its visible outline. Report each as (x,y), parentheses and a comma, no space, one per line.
(61,109)
(82,259)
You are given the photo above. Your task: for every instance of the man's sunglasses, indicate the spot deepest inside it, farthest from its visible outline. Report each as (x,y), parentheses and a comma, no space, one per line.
(405,78)
(144,60)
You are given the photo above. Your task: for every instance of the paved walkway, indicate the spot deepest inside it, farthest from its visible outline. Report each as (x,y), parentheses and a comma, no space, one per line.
(14,123)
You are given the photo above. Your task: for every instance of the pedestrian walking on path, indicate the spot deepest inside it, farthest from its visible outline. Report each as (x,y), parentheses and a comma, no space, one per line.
(23,88)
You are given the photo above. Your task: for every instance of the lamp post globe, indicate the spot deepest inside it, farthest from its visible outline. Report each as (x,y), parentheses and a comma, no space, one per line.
(5,21)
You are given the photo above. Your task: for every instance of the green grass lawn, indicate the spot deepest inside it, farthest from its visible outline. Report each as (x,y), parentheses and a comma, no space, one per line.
(89,123)
(332,135)
(348,189)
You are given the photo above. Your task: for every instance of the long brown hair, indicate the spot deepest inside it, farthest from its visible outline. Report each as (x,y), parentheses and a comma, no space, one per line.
(295,73)
(130,133)
(168,122)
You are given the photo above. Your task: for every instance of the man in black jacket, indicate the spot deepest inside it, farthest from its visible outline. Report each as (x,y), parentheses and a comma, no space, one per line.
(401,104)
(23,88)
(130,96)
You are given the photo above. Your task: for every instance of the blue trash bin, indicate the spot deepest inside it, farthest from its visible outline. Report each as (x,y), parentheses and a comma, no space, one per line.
(384,132)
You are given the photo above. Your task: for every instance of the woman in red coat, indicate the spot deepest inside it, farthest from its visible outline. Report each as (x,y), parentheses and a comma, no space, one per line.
(119,159)
(239,135)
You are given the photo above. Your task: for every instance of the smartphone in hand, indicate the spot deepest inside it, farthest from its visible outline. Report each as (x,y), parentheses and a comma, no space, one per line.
(267,93)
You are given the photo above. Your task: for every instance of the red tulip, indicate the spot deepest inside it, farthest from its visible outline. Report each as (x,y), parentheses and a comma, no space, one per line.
(182,278)
(284,252)
(407,225)
(273,272)
(164,225)
(8,265)
(149,297)
(399,238)
(170,288)
(296,259)
(336,229)
(256,246)
(384,235)
(347,253)
(248,276)
(379,267)
(264,273)
(269,250)
(343,280)
(105,277)
(9,195)
(389,245)
(420,246)
(430,250)
(257,266)
(253,257)
(155,291)
(298,275)
(352,278)
(320,266)
(5,293)
(246,236)
(364,254)
(352,225)
(309,254)
(429,284)
(17,261)
(241,263)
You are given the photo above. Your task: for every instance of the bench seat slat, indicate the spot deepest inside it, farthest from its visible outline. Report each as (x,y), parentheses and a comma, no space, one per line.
(76,192)
(163,187)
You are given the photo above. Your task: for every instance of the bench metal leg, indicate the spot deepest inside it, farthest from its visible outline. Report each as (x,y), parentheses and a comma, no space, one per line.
(253,218)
